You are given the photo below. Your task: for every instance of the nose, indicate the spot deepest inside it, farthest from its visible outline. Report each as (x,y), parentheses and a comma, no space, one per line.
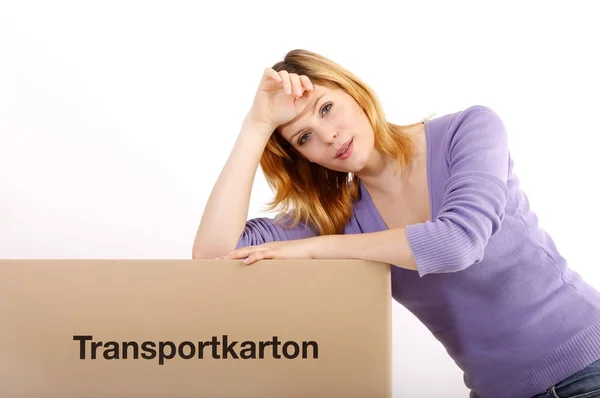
(329,136)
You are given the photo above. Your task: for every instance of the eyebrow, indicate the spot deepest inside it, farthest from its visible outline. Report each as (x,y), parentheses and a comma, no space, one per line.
(314,108)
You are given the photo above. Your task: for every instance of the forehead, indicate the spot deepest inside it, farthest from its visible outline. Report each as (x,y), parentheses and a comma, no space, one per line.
(309,100)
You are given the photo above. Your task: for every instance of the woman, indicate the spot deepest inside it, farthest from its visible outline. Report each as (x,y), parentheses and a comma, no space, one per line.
(437,199)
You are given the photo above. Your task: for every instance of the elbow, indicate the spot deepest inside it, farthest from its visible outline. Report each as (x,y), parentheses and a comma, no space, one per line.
(198,254)
(209,251)
(204,251)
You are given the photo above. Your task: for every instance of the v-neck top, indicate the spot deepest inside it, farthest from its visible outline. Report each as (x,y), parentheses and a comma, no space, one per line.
(490,284)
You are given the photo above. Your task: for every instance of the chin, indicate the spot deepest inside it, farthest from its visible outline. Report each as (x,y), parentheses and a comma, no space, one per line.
(359,162)
(352,165)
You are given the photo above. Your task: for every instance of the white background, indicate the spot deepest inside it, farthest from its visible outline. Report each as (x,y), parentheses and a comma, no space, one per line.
(116,117)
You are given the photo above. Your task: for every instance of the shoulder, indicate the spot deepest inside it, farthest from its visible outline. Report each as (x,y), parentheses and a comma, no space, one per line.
(473,112)
(473,125)
(457,121)
(475,116)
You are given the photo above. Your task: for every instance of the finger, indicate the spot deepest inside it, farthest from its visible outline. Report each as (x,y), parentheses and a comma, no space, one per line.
(240,253)
(285,77)
(306,83)
(262,255)
(301,103)
(272,74)
(297,88)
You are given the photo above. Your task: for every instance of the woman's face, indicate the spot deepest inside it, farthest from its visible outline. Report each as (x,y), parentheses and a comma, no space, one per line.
(332,131)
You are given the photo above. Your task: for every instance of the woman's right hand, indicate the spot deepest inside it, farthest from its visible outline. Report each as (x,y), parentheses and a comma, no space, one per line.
(276,101)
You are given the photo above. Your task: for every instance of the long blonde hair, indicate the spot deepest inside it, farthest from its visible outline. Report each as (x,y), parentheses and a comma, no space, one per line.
(322,198)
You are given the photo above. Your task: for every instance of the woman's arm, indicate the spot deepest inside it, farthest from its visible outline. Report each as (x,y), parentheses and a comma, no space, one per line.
(226,211)
(390,246)
(277,100)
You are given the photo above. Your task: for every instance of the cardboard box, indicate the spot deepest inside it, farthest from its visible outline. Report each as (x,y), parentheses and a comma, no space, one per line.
(194,328)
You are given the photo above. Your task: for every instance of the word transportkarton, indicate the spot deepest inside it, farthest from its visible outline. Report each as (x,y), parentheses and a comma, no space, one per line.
(223,348)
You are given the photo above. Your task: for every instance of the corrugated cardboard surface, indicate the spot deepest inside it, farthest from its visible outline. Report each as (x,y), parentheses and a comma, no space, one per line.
(343,308)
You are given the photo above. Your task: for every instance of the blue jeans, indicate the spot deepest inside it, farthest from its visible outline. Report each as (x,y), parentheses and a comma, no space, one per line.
(583,384)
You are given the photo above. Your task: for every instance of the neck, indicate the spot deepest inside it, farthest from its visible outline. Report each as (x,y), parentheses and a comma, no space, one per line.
(380,173)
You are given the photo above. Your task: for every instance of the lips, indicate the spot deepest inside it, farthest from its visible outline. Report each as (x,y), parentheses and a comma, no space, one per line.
(343,148)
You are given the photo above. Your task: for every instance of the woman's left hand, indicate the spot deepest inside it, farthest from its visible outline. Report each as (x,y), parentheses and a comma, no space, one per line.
(299,248)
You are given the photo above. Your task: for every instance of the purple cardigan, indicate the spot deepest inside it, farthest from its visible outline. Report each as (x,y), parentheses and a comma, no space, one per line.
(491,285)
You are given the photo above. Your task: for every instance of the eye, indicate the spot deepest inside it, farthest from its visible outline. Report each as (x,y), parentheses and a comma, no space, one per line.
(326,107)
(324,110)
(303,138)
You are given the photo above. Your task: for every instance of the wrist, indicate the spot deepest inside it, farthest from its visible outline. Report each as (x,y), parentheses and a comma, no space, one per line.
(328,247)
(256,127)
